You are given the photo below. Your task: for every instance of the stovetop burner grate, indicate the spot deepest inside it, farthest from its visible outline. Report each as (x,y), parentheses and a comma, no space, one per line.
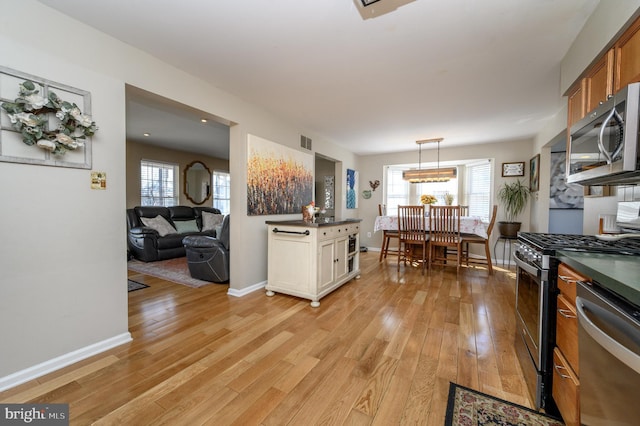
(579,243)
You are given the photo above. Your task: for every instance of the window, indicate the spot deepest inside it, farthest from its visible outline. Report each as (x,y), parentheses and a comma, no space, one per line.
(222,191)
(472,188)
(158,184)
(400,192)
(439,189)
(397,190)
(478,189)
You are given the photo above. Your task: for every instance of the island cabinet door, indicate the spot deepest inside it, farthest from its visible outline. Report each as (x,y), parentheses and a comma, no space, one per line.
(290,263)
(342,254)
(326,264)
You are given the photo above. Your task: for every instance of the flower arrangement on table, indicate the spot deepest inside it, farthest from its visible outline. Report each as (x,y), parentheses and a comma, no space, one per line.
(29,115)
(428,199)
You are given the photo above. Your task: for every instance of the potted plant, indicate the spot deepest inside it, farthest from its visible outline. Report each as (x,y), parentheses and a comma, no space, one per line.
(513,197)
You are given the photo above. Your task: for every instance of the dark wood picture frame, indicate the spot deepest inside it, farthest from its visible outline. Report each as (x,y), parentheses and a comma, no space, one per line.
(513,169)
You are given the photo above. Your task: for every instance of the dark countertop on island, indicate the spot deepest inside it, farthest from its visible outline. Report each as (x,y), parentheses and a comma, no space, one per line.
(311,225)
(619,273)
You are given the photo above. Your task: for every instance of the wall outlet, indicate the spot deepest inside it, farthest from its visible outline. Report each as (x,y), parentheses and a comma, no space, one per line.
(368,234)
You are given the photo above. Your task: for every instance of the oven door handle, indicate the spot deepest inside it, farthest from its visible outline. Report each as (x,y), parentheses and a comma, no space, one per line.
(624,355)
(531,270)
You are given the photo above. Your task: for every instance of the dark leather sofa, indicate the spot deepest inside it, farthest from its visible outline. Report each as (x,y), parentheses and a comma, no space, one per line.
(146,244)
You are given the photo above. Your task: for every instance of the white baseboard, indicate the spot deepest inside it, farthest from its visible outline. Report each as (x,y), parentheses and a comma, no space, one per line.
(246,290)
(57,363)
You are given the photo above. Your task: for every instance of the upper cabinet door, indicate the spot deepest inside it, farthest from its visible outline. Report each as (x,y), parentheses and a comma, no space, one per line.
(576,107)
(599,82)
(627,57)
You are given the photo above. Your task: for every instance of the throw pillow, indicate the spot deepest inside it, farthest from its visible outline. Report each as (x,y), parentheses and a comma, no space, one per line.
(211,220)
(160,224)
(183,226)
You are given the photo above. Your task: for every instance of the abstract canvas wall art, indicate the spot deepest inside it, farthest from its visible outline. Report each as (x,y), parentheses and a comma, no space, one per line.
(563,195)
(352,189)
(279,178)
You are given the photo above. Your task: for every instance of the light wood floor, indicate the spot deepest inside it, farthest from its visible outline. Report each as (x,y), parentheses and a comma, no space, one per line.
(380,350)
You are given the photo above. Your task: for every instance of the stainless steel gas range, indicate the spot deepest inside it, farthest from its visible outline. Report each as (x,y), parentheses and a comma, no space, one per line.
(536,291)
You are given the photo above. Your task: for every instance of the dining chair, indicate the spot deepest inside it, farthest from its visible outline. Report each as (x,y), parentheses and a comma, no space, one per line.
(477,239)
(464,210)
(387,236)
(412,235)
(444,233)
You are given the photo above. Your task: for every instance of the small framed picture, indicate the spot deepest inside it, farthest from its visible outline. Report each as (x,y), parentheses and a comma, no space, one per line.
(597,191)
(534,174)
(513,169)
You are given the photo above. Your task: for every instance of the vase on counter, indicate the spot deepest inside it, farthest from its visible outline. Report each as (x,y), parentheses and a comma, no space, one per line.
(308,213)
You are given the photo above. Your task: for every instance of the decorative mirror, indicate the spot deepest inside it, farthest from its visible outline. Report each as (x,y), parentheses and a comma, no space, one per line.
(197,182)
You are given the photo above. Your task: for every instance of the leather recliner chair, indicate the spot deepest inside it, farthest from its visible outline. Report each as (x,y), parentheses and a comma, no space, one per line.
(208,257)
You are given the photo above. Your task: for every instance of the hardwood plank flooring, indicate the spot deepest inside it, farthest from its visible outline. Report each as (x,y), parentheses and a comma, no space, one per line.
(381,350)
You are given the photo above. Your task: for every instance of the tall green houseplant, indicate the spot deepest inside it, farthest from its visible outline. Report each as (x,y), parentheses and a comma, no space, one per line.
(513,197)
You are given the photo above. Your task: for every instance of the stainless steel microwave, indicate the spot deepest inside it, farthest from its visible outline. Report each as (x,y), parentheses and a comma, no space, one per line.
(603,146)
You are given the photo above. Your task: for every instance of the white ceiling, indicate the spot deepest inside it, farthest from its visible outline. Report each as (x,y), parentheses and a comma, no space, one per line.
(466,70)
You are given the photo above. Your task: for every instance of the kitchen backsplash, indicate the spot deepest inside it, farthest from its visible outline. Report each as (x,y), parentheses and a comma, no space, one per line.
(628,193)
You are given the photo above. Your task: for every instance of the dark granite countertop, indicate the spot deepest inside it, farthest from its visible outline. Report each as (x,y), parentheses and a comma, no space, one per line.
(619,273)
(318,224)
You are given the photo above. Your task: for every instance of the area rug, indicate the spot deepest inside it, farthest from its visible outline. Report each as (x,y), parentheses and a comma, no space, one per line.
(134,285)
(472,408)
(174,270)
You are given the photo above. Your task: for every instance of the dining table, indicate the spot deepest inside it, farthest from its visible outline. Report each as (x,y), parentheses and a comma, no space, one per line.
(468,225)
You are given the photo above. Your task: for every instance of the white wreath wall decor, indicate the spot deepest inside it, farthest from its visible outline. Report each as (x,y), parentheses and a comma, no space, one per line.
(30,115)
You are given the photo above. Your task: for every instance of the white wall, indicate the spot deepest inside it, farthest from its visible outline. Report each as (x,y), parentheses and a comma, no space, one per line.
(63,246)
(62,253)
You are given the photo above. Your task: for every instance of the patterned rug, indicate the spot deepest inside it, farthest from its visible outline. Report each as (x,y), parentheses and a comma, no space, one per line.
(174,270)
(134,285)
(472,408)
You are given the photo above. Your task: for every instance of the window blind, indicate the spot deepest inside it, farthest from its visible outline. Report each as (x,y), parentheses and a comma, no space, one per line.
(479,189)
(222,191)
(158,184)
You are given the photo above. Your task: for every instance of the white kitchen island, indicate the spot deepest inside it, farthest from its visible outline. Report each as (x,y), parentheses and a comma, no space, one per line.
(310,260)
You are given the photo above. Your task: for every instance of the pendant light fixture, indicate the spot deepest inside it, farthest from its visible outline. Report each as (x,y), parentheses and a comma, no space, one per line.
(421,175)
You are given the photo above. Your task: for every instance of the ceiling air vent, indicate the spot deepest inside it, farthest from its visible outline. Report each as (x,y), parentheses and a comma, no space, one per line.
(305,142)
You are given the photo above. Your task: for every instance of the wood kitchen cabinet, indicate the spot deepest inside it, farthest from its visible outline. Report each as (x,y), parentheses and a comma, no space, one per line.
(310,261)
(595,87)
(591,90)
(616,68)
(566,379)
(627,57)
(577,104)
(599,82)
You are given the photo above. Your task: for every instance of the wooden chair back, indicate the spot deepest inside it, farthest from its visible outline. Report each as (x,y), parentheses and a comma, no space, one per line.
(411,221)
(382,209)
(444,225)
(412,234)
(464,210)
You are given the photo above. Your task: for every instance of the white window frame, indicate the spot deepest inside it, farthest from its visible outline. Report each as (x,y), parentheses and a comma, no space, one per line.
(222,201)
(479,202)
(404,193)
(167,180)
